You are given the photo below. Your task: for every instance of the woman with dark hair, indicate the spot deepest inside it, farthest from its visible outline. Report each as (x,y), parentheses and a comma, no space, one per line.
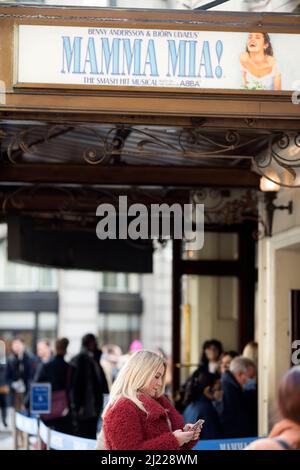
(209,362)
(285,435)
(259,67)
(199,396)
(211,352)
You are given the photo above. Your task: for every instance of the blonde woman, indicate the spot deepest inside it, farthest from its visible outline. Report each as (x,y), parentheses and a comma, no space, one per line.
(138,416)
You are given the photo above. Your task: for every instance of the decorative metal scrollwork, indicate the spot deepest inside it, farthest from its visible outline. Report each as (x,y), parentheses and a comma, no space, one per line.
(101,144)
(275,155)
(31,140)
(230,207)
(19,145)
(64,201)
(15,199)
(280,163)
(250,122)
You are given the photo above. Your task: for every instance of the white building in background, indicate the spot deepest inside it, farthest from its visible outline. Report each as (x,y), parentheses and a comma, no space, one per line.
(80,295)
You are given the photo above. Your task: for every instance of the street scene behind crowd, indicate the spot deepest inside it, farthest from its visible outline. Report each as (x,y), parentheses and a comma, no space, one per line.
(222,390)
(98,391)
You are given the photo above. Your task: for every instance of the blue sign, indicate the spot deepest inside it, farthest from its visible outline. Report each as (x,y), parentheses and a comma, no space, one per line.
(40,398)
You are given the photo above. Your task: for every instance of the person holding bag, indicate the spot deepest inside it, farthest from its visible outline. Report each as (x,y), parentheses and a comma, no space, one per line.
(58,373)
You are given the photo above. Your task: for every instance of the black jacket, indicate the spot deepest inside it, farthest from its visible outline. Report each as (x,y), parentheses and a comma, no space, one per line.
(59,374)
(57,371)
(3,375)
(89,384)
(21,368)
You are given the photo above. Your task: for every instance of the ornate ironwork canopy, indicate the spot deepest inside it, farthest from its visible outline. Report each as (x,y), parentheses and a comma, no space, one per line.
(119,148)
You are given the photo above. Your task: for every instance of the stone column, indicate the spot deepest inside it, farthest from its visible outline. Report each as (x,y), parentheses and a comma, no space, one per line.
(78,306)
(157,297)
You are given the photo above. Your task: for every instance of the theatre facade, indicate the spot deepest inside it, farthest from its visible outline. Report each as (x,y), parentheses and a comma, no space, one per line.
(162,106)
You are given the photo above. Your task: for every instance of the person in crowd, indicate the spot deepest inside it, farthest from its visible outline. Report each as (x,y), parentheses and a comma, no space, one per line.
(58,373)
(285,435)
(251,352)
(237,408)
(211,353)
(4,388)
(88,386)
(134,346)
(209,362)
(225,360)
(21,367)
(44,354)
(138,416)
(110,362)
(200,394)
(44,350)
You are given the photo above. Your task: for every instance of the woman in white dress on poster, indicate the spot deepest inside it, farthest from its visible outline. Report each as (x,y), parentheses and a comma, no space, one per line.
(259,67)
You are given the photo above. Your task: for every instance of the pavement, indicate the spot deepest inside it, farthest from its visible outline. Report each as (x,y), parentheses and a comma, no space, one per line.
(6,435)
(7,439)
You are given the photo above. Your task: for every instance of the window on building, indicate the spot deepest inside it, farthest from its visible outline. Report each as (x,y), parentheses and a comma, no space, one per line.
(119,328)
(115,282)
(22,277)
(119,282)
(218,246)
(30,326)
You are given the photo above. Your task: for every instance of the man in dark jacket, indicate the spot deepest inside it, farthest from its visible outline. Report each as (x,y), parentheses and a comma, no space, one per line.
(21,367)
(89,384)
(236,410)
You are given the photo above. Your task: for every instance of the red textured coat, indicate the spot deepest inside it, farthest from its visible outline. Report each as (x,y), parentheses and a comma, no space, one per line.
(127,427)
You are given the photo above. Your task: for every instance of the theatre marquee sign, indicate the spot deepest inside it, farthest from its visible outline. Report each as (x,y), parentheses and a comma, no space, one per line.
(181,59)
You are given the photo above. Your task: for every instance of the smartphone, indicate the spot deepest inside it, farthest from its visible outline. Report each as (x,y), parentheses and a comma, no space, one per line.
(198,424)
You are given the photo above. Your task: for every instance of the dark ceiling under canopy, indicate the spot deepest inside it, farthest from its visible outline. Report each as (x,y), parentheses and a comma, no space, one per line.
(68,168)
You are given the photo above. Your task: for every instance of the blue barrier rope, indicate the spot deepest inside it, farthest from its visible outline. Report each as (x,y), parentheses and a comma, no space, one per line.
(27,424)
(61,441)
(58,440)
(224,444)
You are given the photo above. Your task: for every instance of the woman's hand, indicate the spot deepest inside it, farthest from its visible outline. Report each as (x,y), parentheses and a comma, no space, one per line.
(188,427)
(183,436)
(196,432)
